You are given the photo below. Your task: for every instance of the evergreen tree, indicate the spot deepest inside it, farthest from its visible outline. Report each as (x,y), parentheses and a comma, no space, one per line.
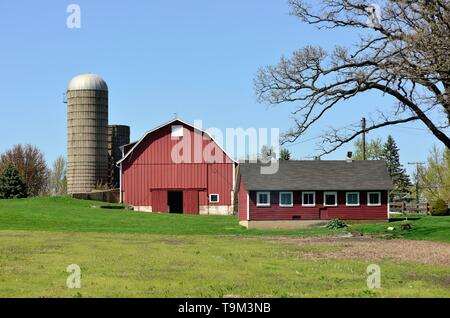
(285,154)
(11,186)
(398,174)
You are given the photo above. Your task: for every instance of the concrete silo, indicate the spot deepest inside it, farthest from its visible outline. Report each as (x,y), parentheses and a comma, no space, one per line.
(87,121)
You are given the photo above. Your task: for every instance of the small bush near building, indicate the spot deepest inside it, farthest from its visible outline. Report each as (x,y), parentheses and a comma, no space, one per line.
(336,224)
(11,186)
(439,207)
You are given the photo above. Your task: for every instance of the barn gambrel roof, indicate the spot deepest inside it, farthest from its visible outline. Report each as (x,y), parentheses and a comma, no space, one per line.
(136,143)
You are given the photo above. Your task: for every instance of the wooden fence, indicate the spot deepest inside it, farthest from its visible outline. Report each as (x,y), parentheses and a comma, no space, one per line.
(410,207)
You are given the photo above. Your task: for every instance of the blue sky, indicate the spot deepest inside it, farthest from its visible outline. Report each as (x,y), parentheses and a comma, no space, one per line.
(196,58)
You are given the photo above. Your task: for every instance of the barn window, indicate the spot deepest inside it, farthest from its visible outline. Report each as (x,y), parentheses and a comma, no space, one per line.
(330,198)
(177,131)
(286,199)
(308,199)
(374,198)
(352,199)
(263,199)
(214,198)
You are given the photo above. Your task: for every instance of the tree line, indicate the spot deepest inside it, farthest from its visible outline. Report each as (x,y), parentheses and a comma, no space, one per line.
(24,173)
(432,179)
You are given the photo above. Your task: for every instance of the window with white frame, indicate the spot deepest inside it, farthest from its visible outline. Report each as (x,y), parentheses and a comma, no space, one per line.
(286,199)
(308,199)
(330,198)
(177,131)
(352,198)
(373,198)
(214,198)
(263,199)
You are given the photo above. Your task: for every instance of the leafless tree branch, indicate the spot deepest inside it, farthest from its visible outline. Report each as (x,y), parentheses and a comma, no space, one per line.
(406,56)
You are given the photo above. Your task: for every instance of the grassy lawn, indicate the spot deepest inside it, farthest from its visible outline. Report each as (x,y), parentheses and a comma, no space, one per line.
(429,228)
(68,215)
(126,254)
(33,264)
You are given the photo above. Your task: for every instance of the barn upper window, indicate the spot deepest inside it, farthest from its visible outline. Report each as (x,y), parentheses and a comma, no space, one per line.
(330,198)
(374,198)
(177,131)
(214,198)
(352,198)
(263,199)
(309,199)
(286,199)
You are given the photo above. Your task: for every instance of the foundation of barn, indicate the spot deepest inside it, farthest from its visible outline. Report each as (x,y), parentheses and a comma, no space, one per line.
(216,210)
(203,210)
(142,208)
(282,225)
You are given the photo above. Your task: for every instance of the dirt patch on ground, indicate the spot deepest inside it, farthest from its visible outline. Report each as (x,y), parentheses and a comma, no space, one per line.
(372,249)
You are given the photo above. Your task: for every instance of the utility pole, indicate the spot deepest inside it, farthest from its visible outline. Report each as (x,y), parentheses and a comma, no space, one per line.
(417,164)
(363,126)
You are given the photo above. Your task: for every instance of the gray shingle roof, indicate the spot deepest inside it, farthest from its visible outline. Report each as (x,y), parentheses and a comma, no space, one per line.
(318,175)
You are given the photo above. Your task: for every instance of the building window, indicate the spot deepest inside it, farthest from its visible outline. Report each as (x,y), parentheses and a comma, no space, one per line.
(374,198)
(286,199)
(308,199)
(352,198)
(214,198)
(330,198)
(177,131)
(263,199)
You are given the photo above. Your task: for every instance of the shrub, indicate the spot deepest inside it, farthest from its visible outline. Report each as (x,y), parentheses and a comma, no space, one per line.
(11,186)
(336,224)
(439,207)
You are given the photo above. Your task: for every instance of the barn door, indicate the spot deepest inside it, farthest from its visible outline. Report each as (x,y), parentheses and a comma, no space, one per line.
(159,201)
(323,212)
(190,202)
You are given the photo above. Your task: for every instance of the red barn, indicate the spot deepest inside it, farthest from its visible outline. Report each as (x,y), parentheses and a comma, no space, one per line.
(177,168)
(304,193)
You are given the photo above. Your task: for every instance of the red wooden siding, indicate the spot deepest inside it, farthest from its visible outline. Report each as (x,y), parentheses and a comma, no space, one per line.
(341,211)
(150,167)
(190,202)
(242,205)
(160,201)
(157,148)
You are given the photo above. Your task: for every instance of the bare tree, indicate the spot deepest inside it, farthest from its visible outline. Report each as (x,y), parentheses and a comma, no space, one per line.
(434,178)
(30,163)
(58,179)
(402,51)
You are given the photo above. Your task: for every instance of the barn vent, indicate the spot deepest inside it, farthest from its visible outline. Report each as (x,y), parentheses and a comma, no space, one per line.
(177,131)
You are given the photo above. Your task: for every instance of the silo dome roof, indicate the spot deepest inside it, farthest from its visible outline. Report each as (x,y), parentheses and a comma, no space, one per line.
(87,82)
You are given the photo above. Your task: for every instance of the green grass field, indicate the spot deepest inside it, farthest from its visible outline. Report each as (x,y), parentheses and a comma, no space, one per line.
(127,254)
